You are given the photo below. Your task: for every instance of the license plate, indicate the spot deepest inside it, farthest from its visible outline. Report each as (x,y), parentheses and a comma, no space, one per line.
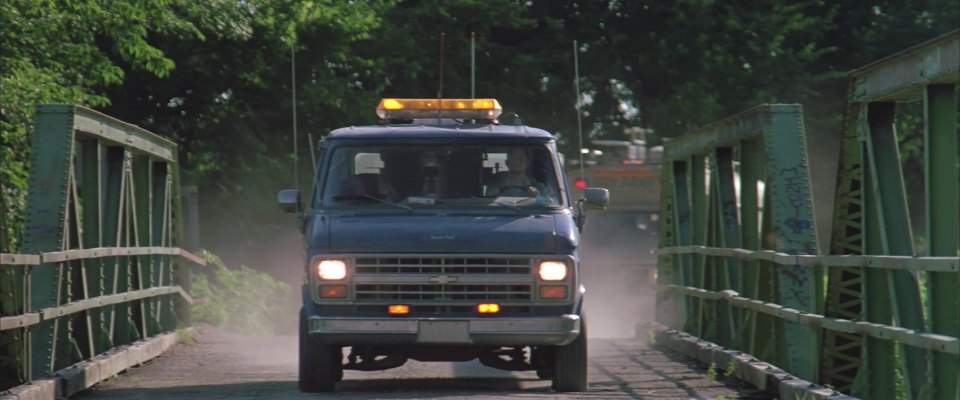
(444,332)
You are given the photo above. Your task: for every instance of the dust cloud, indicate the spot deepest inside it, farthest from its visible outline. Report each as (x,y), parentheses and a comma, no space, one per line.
(273,247)
(617,267)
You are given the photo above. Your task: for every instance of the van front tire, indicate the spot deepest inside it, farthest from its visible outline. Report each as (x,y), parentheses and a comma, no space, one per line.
(570,363)
(320,367)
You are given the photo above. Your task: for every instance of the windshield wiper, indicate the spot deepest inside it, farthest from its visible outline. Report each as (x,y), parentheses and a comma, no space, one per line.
(408,208)
(513,206)
(369,197)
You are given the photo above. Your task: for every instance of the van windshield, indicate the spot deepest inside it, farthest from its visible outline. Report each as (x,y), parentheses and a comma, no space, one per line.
(463,175)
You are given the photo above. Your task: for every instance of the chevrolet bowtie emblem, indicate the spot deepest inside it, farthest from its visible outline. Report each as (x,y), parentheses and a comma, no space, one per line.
(443,279)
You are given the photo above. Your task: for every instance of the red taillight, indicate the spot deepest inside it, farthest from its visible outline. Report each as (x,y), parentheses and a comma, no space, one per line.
(580,184)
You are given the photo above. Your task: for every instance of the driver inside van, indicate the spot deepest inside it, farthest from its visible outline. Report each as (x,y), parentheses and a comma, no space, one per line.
(517,180)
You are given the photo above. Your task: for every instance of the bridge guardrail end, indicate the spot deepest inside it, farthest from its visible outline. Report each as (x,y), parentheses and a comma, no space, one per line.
(762,375)
(39,389)
(83,375)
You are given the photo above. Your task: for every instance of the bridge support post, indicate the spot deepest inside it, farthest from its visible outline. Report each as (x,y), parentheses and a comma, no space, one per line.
(841,354)
(942,114)
(50,176)
(683,215)
(896,297)
(788,190)
(702,319)
(728,235)
(670,307)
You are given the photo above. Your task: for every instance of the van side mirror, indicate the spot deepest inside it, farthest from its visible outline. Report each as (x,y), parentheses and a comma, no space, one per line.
(596,198)
(289,200)
(592,199)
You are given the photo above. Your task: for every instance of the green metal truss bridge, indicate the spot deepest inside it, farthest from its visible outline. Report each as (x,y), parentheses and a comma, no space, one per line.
(744,276)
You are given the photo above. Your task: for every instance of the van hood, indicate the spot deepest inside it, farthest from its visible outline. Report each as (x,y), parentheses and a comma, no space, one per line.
(532,234)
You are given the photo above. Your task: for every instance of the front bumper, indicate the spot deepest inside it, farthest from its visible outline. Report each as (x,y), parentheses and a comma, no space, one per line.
(537,331)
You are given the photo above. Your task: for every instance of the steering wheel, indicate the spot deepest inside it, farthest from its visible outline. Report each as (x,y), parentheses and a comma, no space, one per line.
(519,191)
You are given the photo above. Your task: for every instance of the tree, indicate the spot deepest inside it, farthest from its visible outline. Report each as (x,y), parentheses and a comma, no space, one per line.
(67,52)
(228,105)
(216,75)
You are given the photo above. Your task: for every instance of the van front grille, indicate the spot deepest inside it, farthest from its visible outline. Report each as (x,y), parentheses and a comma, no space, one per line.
(442,265)
(444,292)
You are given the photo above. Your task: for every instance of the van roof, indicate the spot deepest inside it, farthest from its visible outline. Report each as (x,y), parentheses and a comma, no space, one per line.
(440,131)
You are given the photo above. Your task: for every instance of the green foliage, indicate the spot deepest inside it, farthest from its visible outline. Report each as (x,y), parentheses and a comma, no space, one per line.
(67,52)
(731,369)
(214,76)
(187,335)
(13,185)
(712,371)
(910,138)
(899,380)
(228,104)
(241,299)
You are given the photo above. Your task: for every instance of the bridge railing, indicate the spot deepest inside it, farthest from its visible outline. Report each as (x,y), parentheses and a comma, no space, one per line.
(101,266)
(739,264)
(740,183)
(872,217)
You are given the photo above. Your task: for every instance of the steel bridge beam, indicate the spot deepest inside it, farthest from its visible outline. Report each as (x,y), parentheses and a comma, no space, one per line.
(764,141)
(883,313)
(101,234)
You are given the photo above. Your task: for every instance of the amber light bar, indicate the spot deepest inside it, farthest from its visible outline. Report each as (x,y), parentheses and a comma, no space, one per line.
(439,108)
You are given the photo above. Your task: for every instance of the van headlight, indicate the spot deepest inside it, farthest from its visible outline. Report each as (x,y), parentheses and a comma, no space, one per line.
(330,270)
(552,270)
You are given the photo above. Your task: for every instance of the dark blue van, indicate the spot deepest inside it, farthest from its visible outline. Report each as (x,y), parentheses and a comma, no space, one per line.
(450,238)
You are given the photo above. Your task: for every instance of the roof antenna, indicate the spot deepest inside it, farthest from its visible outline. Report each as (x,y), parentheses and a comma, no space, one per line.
(473,65)
(440,88)
(293,96)
(576,85)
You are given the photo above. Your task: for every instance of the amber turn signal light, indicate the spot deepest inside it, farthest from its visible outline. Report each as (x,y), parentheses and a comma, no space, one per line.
(398,309)
(488,308)
(333,291)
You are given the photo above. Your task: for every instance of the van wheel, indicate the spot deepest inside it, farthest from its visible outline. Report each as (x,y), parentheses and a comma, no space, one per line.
(542,358)
(319,366)
(570,363)
(337,363)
